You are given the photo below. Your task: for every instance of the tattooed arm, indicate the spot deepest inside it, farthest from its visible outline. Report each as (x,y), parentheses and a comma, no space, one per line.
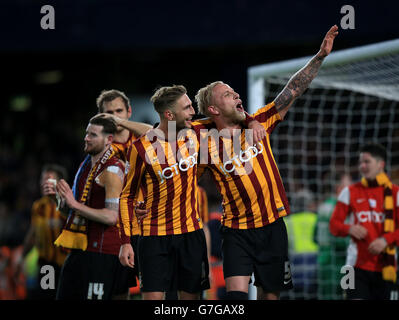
(301,80)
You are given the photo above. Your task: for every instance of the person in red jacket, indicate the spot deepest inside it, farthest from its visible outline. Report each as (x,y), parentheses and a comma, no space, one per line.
(374,229)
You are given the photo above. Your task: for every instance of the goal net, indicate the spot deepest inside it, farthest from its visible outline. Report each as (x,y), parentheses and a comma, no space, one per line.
(352,101)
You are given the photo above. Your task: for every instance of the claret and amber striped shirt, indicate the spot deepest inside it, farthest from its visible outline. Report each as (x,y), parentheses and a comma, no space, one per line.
(122,150)
(247,177)
(166,172)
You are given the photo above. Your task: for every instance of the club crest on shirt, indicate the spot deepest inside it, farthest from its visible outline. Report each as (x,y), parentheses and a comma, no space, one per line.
(372,203)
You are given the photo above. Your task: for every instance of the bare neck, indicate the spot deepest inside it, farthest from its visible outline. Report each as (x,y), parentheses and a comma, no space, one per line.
(96,157)
(122,136)
(223,124)
(163,126)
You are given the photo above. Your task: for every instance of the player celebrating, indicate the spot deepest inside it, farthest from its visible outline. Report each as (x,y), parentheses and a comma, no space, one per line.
(172,248)
(254,199)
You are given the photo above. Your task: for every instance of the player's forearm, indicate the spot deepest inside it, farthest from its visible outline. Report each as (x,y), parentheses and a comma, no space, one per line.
(138,128)
(297,84)
(106,215)
(300,81)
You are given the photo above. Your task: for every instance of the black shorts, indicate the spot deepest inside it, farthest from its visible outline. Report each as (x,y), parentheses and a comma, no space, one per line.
(262,251)
(173,263)
(369,285)
(134,240)
(127,276)
(88,275)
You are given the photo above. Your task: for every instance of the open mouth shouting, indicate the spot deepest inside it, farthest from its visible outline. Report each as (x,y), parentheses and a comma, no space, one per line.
(240,107)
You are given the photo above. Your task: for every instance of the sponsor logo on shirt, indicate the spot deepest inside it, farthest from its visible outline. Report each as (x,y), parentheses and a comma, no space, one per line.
(370,216)
(240,160)
(183,165)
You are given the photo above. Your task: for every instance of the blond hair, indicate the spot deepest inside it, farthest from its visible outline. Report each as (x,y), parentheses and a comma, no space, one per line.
(204,97)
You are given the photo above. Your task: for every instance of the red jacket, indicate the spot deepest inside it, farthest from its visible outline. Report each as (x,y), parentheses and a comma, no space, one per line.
(366,207)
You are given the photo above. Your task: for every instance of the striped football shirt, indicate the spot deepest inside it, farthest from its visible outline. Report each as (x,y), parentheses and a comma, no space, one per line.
(122,150)
(247,177)
(166,173)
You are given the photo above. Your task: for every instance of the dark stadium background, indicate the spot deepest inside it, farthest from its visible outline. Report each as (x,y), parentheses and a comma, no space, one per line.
(51,78)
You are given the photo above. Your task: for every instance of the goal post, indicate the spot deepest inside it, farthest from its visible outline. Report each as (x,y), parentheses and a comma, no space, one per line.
(257,75)
(353,100)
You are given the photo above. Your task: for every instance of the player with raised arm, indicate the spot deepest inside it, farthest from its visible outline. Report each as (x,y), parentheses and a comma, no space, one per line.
(254,199)
(115,105)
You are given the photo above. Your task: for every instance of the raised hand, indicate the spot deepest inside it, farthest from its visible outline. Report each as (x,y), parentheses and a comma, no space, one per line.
(66,193)
(116,119)
(48,188)
(328,41)
(301,80)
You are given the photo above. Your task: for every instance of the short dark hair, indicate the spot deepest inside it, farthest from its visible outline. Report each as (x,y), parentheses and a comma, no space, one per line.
(110,95)
(59,170)
(109,125)
(376,150)
(166,97)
